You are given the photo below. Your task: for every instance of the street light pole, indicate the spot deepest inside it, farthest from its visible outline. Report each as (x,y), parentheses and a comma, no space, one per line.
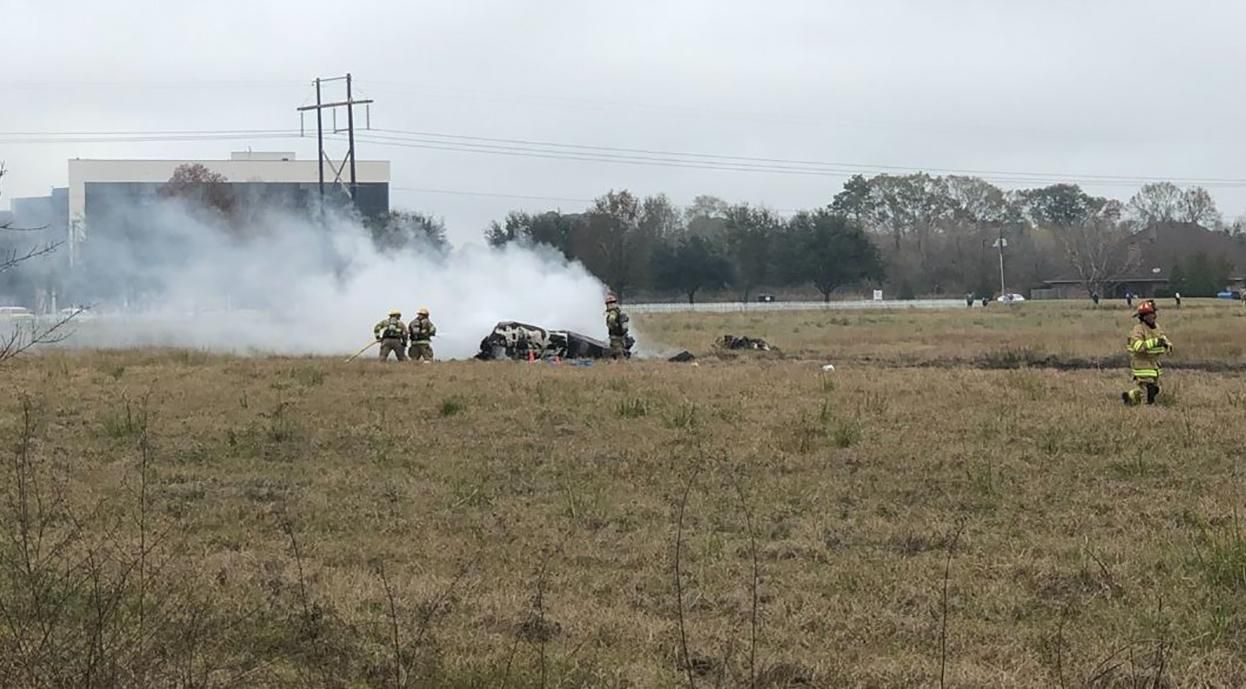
(1000,244)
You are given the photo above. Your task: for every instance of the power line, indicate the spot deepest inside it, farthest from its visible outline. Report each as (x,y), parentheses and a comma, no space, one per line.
(31,84)
(17,138)
(462,192)
(529,148)
(535,151)
(587,157)
(835,166)
(149,132)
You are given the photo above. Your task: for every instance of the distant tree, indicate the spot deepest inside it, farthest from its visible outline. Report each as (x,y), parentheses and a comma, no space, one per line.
(977,201)
(1065,205)
(1198,207)
(749,235)
(1164,202)
(706,216)
(830,251)
(1205,276)
(1099,251)
(402,229)
(855,200)
(659,218)
(195,184)
(1177,281)
(616,239)
(688,264)
(550,228)
(904,206)
(1159,202)
(1237,228)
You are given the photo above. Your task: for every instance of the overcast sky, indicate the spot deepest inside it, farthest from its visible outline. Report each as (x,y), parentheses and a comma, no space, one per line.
(1132,88)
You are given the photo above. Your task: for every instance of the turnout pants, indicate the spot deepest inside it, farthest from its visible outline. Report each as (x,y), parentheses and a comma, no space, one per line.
(618,347)
(1145,388)
(421,351)
(395,345)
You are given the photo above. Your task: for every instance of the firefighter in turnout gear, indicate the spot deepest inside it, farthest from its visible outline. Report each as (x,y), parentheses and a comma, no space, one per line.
(616,326)
(421,332)
(392,335)
(1146,344)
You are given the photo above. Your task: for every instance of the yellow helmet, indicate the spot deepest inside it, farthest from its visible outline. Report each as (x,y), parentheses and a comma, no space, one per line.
(423,311)
(395,312)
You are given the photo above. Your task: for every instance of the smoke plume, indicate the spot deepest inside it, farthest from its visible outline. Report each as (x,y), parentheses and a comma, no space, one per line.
(166,275)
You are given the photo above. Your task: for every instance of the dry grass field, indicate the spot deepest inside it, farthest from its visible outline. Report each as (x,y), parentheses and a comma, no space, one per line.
(912,519)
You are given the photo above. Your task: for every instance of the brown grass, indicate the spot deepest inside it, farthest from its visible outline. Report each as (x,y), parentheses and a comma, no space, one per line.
(527,537)
(1204,330)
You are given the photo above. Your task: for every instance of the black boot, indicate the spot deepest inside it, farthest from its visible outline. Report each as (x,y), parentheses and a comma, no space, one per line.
(1152,391)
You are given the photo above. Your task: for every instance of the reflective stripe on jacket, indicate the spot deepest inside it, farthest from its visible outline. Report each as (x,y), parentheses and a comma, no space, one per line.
(1145,346)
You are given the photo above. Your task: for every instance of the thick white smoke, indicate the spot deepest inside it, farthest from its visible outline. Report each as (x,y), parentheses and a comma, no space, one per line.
(285,284)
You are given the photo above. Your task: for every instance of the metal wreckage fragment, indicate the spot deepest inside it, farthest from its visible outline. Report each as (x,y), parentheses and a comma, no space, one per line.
(521,341)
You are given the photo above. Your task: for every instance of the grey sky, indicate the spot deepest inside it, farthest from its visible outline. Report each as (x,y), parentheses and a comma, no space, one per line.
(1134,88)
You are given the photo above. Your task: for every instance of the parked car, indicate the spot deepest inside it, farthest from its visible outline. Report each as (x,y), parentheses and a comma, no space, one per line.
(1010,298)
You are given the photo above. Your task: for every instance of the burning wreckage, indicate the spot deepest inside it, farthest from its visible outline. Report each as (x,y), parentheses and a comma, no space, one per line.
(514,340)
(521,341)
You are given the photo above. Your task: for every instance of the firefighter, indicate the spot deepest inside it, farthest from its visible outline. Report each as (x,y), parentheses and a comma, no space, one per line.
(1146,344)
(421,331)
(616,326)
(392,335)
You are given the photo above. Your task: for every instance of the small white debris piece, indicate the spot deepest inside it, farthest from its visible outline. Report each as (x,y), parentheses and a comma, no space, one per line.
(828,367)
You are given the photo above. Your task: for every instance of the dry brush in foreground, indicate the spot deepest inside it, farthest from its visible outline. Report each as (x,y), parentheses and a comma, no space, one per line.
(179,519)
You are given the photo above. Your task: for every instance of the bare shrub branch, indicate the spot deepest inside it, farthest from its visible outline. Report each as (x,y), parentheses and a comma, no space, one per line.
(679,585)
(21,339)
(947,571)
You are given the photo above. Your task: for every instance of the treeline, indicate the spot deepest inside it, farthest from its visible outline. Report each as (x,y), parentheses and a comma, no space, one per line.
(913,234)
(649,244)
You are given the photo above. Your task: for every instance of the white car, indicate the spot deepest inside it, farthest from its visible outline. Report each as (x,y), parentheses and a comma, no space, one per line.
(1010,298)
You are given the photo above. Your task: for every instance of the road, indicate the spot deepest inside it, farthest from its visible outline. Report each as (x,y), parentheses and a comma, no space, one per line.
(734,307)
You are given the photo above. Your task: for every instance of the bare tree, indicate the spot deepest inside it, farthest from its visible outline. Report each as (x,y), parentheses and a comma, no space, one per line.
(11,257)
(21,335)
(1158,202)
(1099,251)
(1199,208)
(1163,202)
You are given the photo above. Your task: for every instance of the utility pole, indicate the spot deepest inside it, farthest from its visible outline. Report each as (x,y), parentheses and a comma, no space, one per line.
(320,143)
(1000,244)
(349,103)
(350,127)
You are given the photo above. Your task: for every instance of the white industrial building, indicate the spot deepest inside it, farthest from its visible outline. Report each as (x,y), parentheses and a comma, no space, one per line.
(105,202)
(94,185)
